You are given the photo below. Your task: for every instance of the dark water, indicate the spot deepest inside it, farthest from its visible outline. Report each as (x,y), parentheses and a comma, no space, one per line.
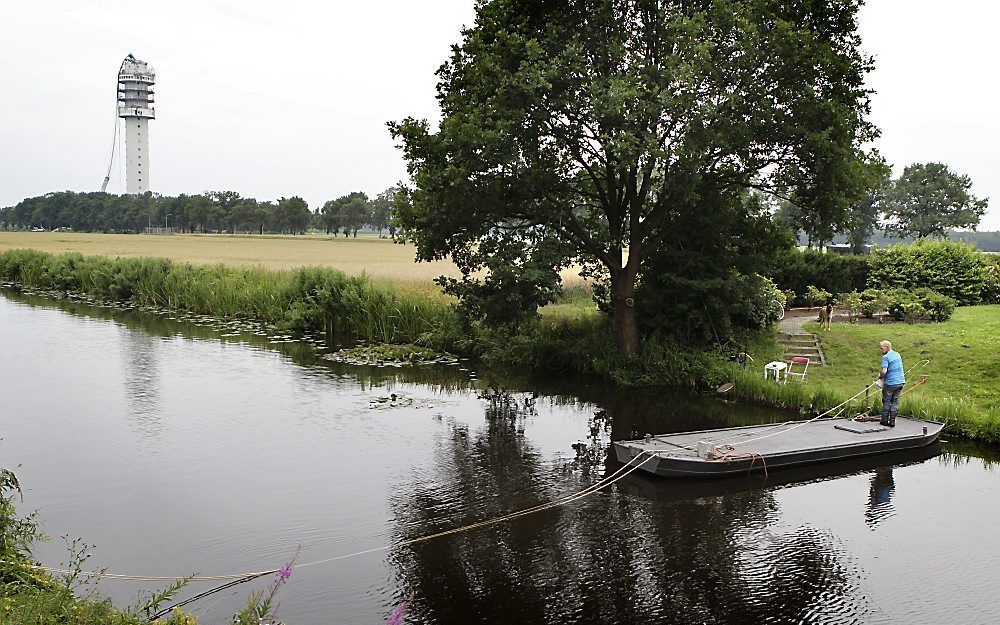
(175,450)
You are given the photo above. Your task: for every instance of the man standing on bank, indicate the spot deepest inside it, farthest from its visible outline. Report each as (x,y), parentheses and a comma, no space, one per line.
(892,379)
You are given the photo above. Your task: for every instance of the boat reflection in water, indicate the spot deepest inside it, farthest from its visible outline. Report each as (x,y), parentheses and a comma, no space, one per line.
(880,507)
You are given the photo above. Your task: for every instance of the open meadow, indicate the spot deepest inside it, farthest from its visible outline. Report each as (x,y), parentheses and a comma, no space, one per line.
(380,258)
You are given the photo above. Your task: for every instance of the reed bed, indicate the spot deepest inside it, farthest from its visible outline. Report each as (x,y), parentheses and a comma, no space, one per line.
(307,300)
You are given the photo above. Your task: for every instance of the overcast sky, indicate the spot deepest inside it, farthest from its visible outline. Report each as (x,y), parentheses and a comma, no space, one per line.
(278,99)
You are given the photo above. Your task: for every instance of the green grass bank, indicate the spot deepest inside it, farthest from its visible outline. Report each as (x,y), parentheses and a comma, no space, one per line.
(570,337)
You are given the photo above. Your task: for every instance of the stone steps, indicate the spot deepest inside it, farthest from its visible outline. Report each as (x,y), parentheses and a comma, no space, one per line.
(802,346)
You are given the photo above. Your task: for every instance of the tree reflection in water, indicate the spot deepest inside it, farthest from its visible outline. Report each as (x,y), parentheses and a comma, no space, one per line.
(612,558)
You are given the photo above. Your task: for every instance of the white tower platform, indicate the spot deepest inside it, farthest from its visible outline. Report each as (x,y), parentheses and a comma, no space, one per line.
(135,106)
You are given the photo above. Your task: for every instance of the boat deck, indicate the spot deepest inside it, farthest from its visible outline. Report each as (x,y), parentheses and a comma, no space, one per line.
(737,449)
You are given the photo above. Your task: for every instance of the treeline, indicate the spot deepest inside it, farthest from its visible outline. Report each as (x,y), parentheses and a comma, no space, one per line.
(928,200)
(212,211)
(985,241)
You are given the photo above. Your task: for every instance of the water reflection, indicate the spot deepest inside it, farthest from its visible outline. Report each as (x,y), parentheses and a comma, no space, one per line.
(613,558)
(880,497)
(142,382)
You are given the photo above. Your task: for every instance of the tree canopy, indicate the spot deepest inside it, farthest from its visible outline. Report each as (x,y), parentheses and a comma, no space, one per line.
(586,131)
(929,199)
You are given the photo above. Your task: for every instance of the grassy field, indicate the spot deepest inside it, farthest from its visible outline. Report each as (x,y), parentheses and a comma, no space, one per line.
(962,356)
(379,258)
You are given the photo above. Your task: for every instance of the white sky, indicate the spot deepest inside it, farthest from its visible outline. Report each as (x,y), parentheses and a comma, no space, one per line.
(277,99)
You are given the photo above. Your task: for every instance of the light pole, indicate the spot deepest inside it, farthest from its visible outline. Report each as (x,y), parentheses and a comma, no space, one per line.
(166,220)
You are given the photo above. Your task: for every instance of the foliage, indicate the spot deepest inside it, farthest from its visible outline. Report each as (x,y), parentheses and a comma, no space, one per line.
(912,304)
(991,281)
(521,274)
(795,269)
(602,125)
(954,269)
(874,301)
(929,198)
(902,304)
(213,211)
(702,285)
(852,302)
(815,296)
(28,595)
(790,297)
(305,300)
(17,534)
(863,217)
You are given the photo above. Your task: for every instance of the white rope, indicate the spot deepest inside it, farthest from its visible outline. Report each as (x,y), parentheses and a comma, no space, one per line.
(919,365)
(623,471)
(801,423)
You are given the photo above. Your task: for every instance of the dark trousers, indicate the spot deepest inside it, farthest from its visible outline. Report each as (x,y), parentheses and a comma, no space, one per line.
(890,400)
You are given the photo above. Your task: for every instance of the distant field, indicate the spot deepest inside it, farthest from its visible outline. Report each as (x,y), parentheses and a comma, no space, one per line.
(379,258)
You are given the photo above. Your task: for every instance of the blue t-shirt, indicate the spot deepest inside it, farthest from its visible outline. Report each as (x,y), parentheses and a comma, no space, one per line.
(892,362)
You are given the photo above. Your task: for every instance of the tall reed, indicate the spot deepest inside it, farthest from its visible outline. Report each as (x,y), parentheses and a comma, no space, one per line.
(310,299)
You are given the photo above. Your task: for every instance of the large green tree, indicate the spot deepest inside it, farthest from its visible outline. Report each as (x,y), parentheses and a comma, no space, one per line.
(598,124)
(928,199)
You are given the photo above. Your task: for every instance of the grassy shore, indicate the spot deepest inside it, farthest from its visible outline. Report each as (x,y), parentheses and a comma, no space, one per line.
(960,358)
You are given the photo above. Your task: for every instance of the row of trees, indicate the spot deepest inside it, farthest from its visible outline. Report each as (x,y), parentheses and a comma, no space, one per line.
(212,211)
(927,200)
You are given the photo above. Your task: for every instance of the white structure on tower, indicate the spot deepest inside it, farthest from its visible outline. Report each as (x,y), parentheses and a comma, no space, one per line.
(135,106)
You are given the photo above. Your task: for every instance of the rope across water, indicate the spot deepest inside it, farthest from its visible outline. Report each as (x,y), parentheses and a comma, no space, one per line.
(622,471)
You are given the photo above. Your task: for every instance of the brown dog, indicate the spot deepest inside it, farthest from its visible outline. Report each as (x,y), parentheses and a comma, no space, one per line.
(825,316)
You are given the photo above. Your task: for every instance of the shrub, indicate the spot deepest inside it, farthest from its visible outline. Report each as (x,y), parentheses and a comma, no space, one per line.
(911,305)
(939,307)
(991,280)
(761,302)
(957,270)
(796,269)
(815,296)
(873,301)
(852,302)
(790,297)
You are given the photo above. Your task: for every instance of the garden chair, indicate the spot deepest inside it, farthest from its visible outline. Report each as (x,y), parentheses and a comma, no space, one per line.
(790,371)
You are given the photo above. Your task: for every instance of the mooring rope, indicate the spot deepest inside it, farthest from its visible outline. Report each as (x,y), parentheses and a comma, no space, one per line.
(841,406)
(622,472)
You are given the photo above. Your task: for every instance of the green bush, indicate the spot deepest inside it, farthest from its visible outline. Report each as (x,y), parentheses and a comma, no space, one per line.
(991,280)
(957,270)
(873,301)
(761,303)
(790,298)
(796,269)
(852,302)
(912,305)
(815,296)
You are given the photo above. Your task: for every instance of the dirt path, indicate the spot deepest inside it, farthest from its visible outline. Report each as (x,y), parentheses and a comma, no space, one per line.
(795,319)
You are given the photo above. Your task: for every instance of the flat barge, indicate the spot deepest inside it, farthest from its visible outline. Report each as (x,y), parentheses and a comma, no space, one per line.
(731,451)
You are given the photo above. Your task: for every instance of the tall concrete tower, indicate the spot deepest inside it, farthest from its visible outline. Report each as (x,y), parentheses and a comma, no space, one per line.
(135,106)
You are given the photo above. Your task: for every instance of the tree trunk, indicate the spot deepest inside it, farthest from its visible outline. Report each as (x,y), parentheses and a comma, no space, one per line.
(626,325)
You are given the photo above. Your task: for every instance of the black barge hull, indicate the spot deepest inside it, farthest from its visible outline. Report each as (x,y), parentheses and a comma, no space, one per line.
(743,450)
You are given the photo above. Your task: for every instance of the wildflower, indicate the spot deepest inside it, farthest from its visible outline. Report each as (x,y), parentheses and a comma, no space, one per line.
(284,573)
(396,618)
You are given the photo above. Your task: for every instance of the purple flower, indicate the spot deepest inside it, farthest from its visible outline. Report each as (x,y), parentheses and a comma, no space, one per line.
(284,573)
(396,618)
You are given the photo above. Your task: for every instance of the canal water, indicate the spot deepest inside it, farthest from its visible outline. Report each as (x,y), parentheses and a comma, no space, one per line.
(173,447)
